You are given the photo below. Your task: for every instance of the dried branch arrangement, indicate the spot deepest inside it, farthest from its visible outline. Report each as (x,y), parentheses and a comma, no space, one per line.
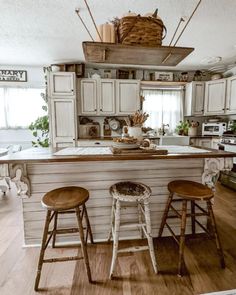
(137,119)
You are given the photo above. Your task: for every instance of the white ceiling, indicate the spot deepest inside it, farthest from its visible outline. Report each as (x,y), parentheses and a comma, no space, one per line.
(41,32)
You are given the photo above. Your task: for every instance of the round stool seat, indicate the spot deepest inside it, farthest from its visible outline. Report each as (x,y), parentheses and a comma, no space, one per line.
(65,198)
(190,190)
(130,191)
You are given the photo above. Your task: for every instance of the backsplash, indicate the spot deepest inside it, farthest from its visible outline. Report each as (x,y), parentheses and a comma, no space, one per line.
(203,119)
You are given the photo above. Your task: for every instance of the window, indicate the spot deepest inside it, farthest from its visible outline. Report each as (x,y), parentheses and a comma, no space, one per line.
(20,106)
(164,107)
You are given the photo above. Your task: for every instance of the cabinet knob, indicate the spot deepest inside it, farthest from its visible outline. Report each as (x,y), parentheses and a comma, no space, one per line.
(95,110)
(101,110)
(227,109)
(223,109)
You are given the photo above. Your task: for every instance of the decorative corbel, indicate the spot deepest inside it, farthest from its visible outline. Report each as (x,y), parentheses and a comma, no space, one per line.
(18,174)
(212,169)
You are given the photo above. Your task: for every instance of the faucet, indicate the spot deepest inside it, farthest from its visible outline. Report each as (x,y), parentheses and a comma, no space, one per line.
(163,128)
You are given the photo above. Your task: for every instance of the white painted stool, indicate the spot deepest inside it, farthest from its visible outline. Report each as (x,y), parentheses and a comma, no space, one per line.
(140,194)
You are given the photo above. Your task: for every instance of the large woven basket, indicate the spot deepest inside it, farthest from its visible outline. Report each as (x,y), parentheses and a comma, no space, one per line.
(139,30)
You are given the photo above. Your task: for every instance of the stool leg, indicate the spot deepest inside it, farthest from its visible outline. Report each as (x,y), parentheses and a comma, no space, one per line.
(116,237)
(217,239)
(149,235)
(88,225)
(54,230)
(182,237)
(163,222)
(42,251)
(140,221)
(83,244)
(193,217)
(112,219)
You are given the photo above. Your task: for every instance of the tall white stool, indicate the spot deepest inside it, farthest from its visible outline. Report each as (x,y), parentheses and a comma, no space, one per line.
(136,193)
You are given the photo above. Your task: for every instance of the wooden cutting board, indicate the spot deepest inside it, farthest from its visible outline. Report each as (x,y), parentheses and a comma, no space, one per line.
(119,151)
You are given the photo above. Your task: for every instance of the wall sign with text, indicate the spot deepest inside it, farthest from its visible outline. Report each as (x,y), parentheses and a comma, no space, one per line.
(13,75)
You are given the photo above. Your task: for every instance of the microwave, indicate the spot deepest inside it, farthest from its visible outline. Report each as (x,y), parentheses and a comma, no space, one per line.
(217,128)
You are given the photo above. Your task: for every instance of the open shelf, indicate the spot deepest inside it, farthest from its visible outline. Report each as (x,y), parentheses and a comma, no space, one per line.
(111,53)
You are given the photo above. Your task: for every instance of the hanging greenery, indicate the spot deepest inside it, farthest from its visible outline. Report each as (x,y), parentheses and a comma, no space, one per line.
(40,127)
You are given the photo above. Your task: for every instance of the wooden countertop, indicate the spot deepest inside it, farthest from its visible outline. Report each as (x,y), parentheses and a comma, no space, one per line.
(45,155)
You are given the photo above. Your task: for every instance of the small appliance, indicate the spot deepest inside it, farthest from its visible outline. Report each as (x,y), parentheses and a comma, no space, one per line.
(214,128)
(89,131)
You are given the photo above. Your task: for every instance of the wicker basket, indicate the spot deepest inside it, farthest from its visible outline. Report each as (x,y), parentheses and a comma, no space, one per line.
(139,30)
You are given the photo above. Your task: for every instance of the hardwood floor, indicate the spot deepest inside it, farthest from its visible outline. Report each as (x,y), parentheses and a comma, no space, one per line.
(134,273)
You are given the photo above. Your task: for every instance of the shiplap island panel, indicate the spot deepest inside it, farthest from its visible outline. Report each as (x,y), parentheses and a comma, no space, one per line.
(41,171)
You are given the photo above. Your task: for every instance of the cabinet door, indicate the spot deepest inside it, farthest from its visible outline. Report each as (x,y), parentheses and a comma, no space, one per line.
(62,84)
(64,124)
(231,96)
(215,97)
(127,96)
(88,98)
(198,98)
(204,143)
(106,93)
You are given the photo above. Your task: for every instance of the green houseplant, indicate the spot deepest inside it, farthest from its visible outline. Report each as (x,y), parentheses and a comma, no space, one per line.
(182,127)
(40,127)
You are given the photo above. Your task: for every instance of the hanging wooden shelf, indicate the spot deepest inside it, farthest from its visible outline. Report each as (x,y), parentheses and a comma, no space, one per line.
(111,53)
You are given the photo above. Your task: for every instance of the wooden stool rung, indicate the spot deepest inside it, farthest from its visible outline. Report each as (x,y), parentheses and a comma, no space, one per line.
(65,231)
(204,228)
(196,214)
(200,208)
(61,259)
(67,212)
(172,216)
(132,225)
(51,218)
(176,212)
(48,240)
(173,234)
(133,249)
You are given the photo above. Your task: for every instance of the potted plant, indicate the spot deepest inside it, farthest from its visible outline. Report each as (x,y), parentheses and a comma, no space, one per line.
(40,127)
(182,127)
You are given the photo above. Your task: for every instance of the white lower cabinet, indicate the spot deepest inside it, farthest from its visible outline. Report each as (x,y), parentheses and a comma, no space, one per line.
(205,142)
(63,122)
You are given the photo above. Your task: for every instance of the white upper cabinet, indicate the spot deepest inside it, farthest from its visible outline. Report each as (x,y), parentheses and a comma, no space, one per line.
(106,96)
(62,84)
(88,97)
(194,98)
(215,97)
(64,124)
(109,97)
(230,105)
(127,96)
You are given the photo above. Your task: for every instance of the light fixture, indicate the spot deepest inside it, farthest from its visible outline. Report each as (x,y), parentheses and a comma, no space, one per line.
(211,60)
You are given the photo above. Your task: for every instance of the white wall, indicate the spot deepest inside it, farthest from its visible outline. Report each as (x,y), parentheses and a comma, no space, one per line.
(35,78)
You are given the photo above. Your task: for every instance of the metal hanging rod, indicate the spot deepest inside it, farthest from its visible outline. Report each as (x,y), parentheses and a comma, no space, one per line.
(85,1)
(77,12)
(176,30)
(181,33)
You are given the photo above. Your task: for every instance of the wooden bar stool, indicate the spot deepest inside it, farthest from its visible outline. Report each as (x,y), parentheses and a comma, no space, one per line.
(136,193)
(190,191)
(65,200)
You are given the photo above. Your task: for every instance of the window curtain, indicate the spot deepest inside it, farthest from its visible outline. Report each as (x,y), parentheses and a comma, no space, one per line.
(20,106)
(163,107)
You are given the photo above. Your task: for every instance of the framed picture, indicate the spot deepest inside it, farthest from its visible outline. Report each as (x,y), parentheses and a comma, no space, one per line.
(163,76)
(13,75)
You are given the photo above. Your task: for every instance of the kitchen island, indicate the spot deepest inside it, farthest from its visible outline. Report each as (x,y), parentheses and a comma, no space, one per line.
(37,171)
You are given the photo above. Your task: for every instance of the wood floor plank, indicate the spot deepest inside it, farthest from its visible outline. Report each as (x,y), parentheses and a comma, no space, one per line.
(133,273)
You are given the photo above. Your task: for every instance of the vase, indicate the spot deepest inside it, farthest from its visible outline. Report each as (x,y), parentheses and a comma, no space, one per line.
(192,131)
(136,132)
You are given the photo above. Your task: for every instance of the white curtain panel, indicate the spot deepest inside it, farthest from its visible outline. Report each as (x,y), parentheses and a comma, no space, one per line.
(163,107)
(20,106)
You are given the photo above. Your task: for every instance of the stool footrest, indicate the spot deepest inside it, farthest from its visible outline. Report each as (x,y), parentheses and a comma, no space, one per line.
(66,231)
(130,225)
(61,259)
(133,249)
